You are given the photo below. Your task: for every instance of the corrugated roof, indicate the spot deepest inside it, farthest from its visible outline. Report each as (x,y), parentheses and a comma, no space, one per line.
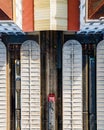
(92,30)
(10,28)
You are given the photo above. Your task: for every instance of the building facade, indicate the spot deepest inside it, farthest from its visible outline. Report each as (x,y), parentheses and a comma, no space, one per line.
(51,69)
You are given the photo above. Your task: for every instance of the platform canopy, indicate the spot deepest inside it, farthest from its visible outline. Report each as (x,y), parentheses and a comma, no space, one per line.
(9,28)
(92,30)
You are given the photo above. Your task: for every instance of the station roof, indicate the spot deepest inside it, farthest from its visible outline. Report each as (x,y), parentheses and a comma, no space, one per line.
(9,28)
(92,30)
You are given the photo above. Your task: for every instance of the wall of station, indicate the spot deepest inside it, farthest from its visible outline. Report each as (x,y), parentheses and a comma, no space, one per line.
(54,76)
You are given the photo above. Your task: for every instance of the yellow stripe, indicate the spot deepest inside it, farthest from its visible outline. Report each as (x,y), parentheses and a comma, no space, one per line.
(14,10)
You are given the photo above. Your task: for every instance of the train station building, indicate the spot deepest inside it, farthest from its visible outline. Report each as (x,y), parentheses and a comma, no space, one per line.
(51,65)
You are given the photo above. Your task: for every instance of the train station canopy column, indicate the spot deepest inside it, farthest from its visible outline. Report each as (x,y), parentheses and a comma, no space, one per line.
(30,86)
(100,86)
(72,86)
(3,89)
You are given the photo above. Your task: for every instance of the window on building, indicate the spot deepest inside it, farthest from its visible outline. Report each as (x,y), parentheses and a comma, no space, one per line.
(95,9)
(91,15)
